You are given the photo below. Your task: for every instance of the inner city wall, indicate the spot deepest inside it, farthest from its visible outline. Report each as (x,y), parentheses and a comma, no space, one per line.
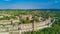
(25,27)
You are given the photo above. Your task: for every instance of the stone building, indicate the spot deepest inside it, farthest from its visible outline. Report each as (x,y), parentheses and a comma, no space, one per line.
(5,22)
(7,15)
(14,20)
(25,17)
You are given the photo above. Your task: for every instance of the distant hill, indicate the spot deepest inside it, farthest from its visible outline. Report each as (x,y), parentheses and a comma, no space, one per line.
(30,9)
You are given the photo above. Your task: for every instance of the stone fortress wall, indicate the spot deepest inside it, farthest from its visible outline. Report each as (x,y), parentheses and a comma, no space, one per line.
(25,27)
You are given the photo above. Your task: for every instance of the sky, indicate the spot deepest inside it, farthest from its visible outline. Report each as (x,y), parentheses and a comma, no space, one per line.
(29,4)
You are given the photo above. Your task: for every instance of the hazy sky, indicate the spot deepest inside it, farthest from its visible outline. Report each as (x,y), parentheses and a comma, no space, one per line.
(29,4)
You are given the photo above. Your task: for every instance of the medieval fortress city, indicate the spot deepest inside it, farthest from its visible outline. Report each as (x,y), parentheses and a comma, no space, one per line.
(18,28)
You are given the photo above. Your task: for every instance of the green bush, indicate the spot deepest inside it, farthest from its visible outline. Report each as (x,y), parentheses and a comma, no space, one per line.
(5,18)
(26,21)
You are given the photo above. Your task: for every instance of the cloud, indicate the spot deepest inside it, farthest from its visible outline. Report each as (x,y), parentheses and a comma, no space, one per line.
(56,1)
(7,0)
